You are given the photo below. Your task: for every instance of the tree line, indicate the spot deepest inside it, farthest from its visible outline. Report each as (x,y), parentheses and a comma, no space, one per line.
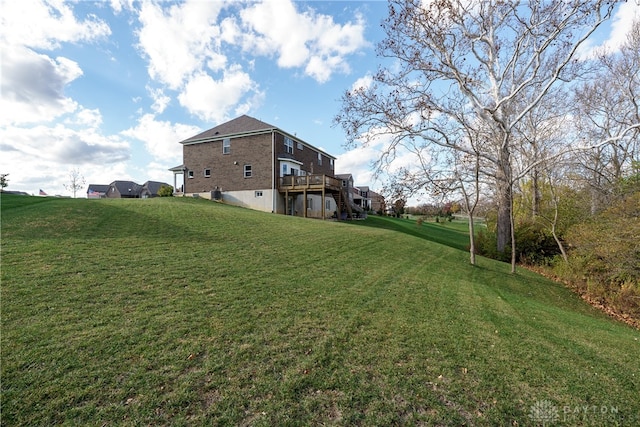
(506,102)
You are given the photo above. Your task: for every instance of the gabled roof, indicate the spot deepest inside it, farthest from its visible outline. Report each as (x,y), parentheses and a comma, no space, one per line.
(238,126)
(123,187)
(346,176)
(100,188)
(154,186)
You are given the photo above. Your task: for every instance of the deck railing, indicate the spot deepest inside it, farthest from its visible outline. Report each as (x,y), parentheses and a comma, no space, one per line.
(299,182)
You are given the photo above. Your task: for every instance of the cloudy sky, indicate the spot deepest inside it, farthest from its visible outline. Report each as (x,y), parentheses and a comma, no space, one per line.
(109,88)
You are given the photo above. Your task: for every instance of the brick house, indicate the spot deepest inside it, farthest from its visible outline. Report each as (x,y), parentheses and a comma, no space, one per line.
(249,163)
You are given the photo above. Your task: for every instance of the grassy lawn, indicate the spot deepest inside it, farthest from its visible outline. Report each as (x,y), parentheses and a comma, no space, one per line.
(188,312)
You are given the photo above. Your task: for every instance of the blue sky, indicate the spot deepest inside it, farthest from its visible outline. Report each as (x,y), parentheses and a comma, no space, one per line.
(109,88)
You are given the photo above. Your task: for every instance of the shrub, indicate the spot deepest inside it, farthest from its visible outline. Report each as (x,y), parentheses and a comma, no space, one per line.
(165,191)
(604,254)
(534,244)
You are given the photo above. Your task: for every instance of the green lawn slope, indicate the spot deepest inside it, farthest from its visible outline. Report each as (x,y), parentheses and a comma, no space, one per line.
(187,312)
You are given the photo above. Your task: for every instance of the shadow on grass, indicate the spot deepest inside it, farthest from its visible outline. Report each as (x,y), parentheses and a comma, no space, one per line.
(442,233)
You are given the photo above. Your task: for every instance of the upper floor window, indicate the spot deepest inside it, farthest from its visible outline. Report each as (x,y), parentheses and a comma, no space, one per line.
(288,145)
(247,171)
(319,159)
(331,163)
(207,173)
(299,145)
(190,174)
(226,146)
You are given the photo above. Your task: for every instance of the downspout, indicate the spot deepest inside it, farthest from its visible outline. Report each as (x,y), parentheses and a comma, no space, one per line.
(273,172)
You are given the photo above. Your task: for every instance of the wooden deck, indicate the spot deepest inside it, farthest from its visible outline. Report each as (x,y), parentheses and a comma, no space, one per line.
(302,183)
(326,186)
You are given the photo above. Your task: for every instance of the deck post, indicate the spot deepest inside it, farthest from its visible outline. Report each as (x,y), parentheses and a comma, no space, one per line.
(304,202)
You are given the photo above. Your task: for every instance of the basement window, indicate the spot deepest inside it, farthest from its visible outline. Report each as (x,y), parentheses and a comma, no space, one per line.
(258,193)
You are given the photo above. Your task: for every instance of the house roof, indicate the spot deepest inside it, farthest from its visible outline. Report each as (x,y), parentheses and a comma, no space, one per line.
(346,176)
(239,125)
(123,187)
(154,186)
(100,188)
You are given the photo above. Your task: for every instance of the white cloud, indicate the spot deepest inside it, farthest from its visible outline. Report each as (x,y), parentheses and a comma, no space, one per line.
(212,99)
(45,25)
(160,100)
(299,39)
(40,156)
(357,162)
(89,118)
(620,26)
(180,39)
(161,137)
(362,83)
(33,86)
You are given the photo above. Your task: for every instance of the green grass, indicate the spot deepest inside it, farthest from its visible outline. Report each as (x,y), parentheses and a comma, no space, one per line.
(188,312)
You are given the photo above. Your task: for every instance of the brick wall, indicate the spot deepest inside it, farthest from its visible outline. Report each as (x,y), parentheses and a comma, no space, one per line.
(227,170)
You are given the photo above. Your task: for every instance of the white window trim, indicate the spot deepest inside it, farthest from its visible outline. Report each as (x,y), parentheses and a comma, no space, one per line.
(190,174)
(207,172)
(288,145)
(250,171)
(226,146)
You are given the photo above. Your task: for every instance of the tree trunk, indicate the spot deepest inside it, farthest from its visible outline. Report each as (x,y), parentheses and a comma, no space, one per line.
(537,194)
(472,240)
(503,226)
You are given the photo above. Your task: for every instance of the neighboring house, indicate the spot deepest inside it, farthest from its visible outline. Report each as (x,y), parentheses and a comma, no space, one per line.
(97,191)
(365,201)
(377,201)
(124,190)
(151,189)
(250,163)
(354,204)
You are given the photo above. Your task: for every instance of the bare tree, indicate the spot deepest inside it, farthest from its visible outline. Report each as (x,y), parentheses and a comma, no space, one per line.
(481,64)
(4,181)
(608,106)
(76,182)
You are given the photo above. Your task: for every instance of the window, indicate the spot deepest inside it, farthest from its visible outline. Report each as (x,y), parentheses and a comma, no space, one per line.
(310,204)
(327,205)
(190,174)
(299,145)
(284,169)
(288,145)
(207,173)
(258,193)
(319,159)
(247,171)
(226,146)
(331,163)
